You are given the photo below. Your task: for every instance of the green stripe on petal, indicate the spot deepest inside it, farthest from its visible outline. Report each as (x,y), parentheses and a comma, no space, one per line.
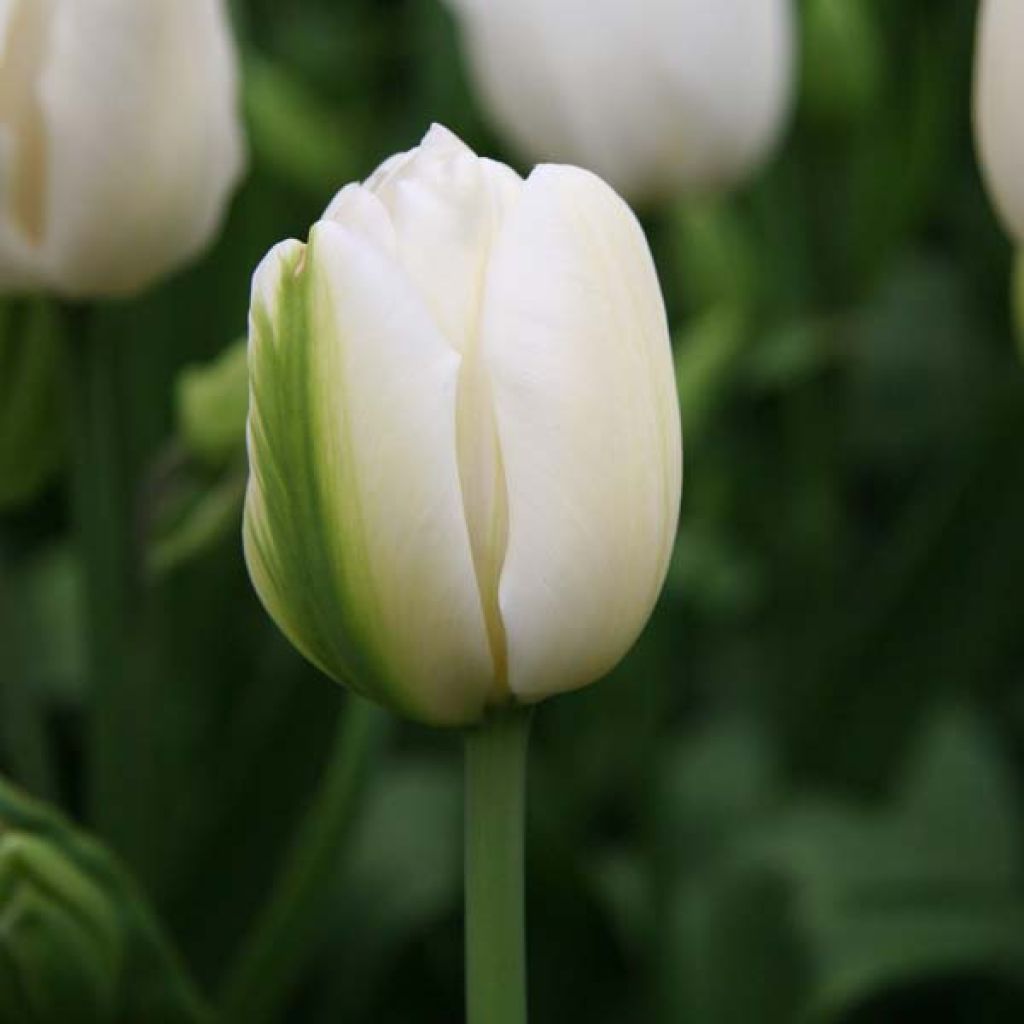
(355,536)
(288,544)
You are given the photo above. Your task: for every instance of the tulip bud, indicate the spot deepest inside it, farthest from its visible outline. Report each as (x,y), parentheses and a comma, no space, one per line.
(119,140)
(655,96)
(464,436)
(998,96)
(212,403)
(60,949)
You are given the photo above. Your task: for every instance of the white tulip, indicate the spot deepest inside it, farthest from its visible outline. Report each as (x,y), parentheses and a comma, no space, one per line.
(653,95)
(998,104)
(464,434)
(120,141)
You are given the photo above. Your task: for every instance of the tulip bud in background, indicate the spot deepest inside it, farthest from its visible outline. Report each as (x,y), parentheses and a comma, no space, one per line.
(464,435)
(998,100)
(120,141)
(60,944)
(655,96)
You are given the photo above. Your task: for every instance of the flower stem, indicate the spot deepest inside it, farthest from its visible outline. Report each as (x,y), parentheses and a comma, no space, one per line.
(101,509)
(495,919)
(274,955)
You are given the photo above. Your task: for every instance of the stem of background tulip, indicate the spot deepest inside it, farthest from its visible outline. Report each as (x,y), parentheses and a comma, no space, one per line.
(103,518)
(272,959)
(495,821)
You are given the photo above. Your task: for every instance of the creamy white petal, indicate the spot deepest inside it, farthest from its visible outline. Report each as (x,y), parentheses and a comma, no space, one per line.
(24,38)
(359,209)
(654,96)
(998,102)
(356,536)
(138,108)
(445,204)
(575,343)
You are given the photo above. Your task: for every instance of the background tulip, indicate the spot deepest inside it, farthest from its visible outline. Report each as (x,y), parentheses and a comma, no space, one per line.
(119,140)
(999,93)
(653,96)
(464,436)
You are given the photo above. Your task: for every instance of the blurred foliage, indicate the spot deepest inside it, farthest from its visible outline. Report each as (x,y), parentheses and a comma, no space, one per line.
(78,941)
(800,798)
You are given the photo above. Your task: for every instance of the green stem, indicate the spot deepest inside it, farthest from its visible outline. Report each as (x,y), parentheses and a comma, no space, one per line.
(495,918)
(274,955)
(103,519)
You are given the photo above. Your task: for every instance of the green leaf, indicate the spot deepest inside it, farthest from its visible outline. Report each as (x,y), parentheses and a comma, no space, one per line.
(293,133)
(843,61)
(210,513)
(77,939)
(730,954)
(929,886)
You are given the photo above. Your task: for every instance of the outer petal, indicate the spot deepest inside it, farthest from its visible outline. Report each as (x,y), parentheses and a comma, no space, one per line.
(576,344)
(140,102)
(354,531)
(999,97)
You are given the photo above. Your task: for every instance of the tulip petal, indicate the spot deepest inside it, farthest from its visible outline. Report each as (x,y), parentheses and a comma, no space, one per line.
(24,33)
(999,94)
(655,95)
(355,534)
(140,105)
(575,340)
(445,204)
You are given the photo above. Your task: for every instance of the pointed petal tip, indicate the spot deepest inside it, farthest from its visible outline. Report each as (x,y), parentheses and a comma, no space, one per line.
(444,141)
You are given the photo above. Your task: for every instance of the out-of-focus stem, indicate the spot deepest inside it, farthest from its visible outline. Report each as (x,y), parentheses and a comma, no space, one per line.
(103,519)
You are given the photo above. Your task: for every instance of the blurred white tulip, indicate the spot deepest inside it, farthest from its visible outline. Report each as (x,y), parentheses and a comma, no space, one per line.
(999,107)
(464,434)
(656,96)
(120,141)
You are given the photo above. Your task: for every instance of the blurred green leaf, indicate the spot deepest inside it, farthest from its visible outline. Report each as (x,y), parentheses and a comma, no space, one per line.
(843,61)
(198,521)
(730,953)
(716,254)
(791,354)
(293,133)
(77,940)
(931,885)
(916,381)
